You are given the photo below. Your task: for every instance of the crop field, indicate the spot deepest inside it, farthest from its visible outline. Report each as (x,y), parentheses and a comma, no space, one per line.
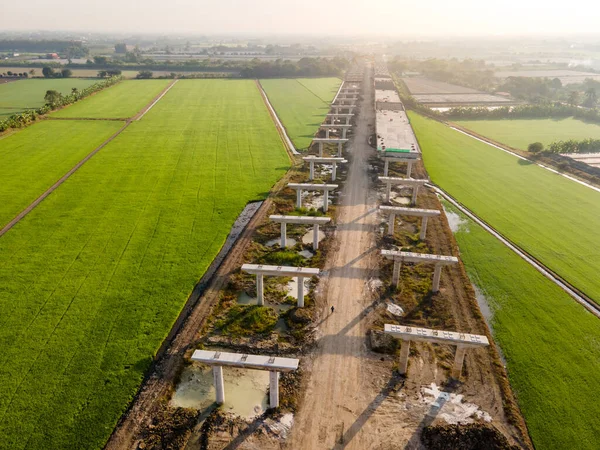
(566,77)
(94,278)
(301,104)
(120,101)
(18,96)
(554,219)
(549,341)
(522,132)
(33,159)
(422,85)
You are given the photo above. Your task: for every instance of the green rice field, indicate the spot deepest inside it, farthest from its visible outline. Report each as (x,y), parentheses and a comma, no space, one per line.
(520,133)
(122,100)
(94,278)
(18,96)
(33,159)
(554,219)
(550,342)
(301,105)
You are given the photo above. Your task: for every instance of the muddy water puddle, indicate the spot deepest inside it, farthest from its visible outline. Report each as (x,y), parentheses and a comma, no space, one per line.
(245,390)
(308,237)
(273,242)
(280,326)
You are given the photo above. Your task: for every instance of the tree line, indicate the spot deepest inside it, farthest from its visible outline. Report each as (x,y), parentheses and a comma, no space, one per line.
(570,146)
(53,100)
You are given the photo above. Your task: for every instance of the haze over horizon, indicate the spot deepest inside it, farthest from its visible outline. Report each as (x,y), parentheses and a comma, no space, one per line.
(310,17)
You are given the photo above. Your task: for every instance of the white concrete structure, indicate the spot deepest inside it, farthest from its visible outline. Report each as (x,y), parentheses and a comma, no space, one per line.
(410,160)
(337,109)
(299,187)
(301,220)
(393,211)
(339,141)
(328,128)
(463,341)
(411,182)
(279,271)
(344,102)
(273,364)
(312,160)
(337,116)
(438,260)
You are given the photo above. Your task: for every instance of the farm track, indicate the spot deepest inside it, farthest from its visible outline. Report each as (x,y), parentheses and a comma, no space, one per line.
(66,176)
(278,124)
(575,293)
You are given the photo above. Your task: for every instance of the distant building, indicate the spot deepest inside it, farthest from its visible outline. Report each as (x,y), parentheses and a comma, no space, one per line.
(52,56)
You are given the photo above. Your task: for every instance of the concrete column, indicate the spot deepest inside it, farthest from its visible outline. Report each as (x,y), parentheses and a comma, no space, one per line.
(409,169)
(396,274)
(437,273)
(344,130)
(413,200)
(404,352)
(219,385)
(300,292)
(283,235)
(339,153)
(348,120)
(388,192)
(334,171)
(259,289)
(312,170)
(320,149)
(298,198)
(386,167)
(326,200)
(316,236)
(423,228)
(273,389)
(459,359)
(391,224)
(327,133)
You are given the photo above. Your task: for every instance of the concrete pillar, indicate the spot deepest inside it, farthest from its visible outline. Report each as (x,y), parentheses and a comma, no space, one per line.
(300,292)
(320,149)
(404,352)
(339,153)
(459,359)
(283,235)
(298,198)
(423,228)
(386,167)
(316,236)
(327,133)
(273,389)
(391,224)
(219,385)
(334,171)
(344,130)
(437,273)
(413,200)
(348,120)
(326,200)
(259,289)
(312,170)
(409,169)
(396,274)
(388,192)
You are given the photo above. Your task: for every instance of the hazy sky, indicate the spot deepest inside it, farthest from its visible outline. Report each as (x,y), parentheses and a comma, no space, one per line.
(352,17)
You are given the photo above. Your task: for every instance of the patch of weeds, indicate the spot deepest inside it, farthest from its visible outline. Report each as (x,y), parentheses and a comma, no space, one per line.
(247,320)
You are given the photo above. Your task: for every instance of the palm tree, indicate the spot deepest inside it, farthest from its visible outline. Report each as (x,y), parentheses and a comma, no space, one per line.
(573,99)
(591,98)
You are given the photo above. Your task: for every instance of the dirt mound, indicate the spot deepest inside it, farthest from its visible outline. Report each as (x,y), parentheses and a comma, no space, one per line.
(477,436)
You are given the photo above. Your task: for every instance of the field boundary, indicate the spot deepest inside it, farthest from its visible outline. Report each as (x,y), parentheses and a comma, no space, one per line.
(278,124)
(143,112)
(512,152)
(575,293)
(77,166)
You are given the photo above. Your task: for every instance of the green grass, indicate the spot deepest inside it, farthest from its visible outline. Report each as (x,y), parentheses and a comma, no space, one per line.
(18,96)
(520,133)
(122,100)
(94,278)
(551,217)
(35,158)
(551,344)
(248,320)
(301,105)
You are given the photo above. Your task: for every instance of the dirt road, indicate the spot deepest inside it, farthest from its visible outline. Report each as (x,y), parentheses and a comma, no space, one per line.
(333,399)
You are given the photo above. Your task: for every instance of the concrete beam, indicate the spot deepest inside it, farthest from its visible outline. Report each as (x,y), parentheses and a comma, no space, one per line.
(312,160)
(438,260)
(302,220)
(393,211)
(299,187)
(411,182)
(409,160)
